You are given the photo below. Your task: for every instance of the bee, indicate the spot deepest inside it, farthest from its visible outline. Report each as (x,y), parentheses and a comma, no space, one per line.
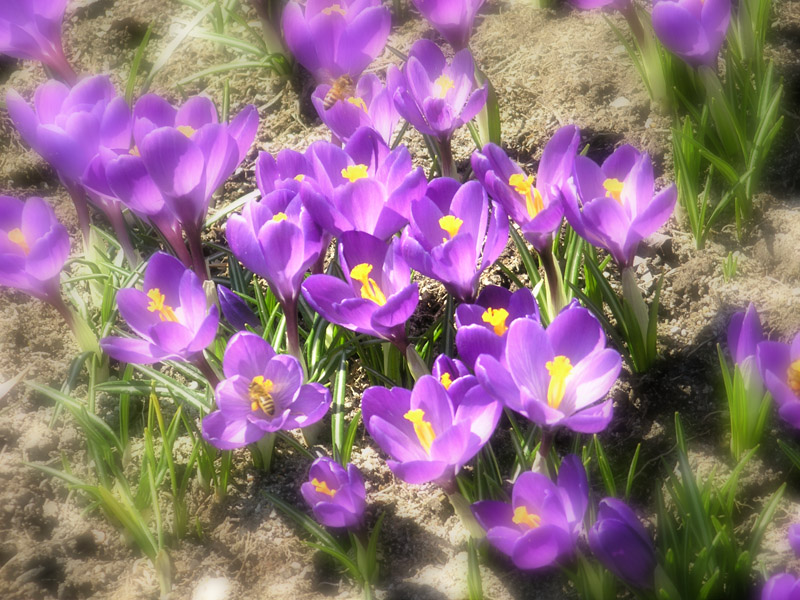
(261,398)
(341,88)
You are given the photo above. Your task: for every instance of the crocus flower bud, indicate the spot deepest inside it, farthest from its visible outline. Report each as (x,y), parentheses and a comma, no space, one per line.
(744,334)
(453,19)
(336,38)
(263,392)
(783,586)
(779,365)
(621,543)
(235,310)
(692,29)
(34,246)
(541,525)
(335,494)
(31,30)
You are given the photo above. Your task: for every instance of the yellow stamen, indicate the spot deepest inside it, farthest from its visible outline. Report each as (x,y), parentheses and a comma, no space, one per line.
(422,428)
(559,369)
(359,102)
(186,130)
(322,487)
(613,189)
(793,377)
(134,151)
(15,236)
(355,172)
(369,288)
(260,393)
(523,517)
(299,177)
(451,225)
(157,304)
(496,317)
(534,203)
(278,217)
(334,8)
(443,84)
(446,380)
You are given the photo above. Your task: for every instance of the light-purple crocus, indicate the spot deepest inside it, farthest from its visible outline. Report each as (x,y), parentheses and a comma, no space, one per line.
(455,233)
(370,105)
(482,328)
(533,201)
(779,365)
(377,297)
(336,38)
(692,29)
(263,392)
(622,544)
(170,316)
(429,433)
(335,494)
(34,246)
(435,96)
(614,206)
(31,30)
(785,586)
(542,524)
(453,19)
(555,376)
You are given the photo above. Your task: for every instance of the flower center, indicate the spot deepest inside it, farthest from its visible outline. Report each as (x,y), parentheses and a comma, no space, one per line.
(451,225)
(443,84)
(322,487)
(793,377)
(446,380)
(369,288)
(523,517)
(334,8)
(260,394)
(299,177)
(359,102)
(559,369)
(613,189)
(186,130)
(278,217)
(496,317)
(355,172)
(422,428)
(534,202)
(15,236)
(158,305)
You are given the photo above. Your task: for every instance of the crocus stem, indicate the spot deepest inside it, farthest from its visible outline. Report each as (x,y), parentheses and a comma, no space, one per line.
(541,463)
(293,333)
(446,162)
(82,210)
(196,249)
(462,508)
(633,296)
(416,365)
(635,25)
(117,220)
(207,370)
(264,449)
(175,241)
(449,326)
(555,282)
(365,564)
(61,68)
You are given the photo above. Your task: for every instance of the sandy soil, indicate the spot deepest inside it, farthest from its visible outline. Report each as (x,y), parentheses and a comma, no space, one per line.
(550,68)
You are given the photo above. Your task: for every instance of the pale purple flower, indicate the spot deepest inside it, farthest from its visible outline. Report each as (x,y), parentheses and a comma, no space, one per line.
(335,494)
(453,19)
(779,365)
(692,29)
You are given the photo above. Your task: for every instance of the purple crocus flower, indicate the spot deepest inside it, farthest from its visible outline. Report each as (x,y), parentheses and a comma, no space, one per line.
(454,235)
(366,187)
(613,206)
(779,365)
(453,19)
(170,315)
(622,544)
(541,525)
(555,376)
(428,432)
(180,158)
(436,97)
(31,30)
(377,297)
(262,393)
(783,586)
(534,202)
(692,29)
(448,371)
(482,328)
(744,334)
(235,310)
(368,104)
(334,39)
(337,496)
(34,246)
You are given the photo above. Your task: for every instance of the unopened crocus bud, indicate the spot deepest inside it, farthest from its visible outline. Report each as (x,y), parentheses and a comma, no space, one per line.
(335,494)
(621,543)
(235,310)
(692,29)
